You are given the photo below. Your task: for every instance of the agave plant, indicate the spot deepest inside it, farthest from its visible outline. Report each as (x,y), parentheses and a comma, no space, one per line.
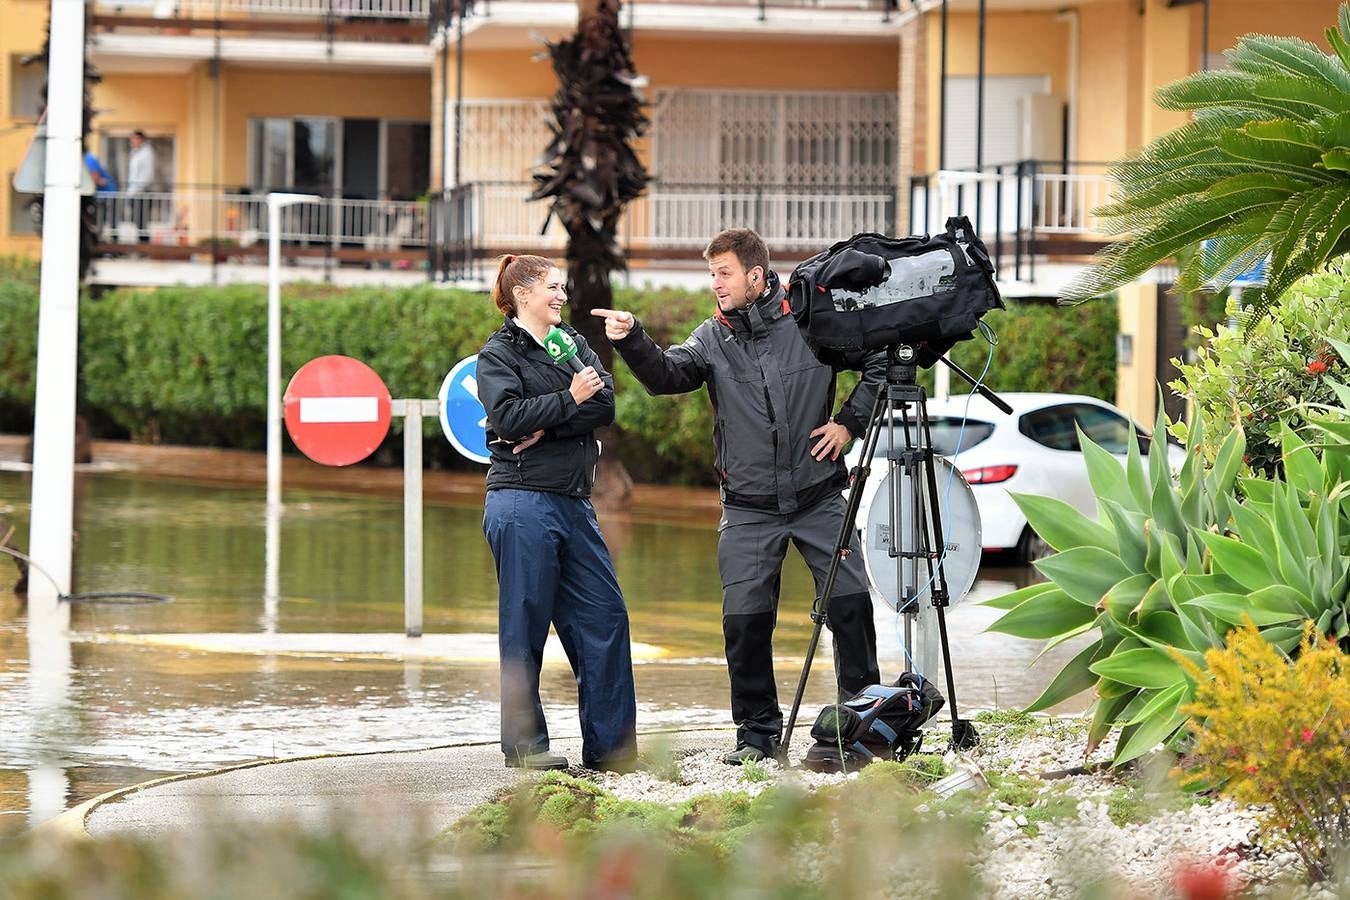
(1167,568)
(1261,172)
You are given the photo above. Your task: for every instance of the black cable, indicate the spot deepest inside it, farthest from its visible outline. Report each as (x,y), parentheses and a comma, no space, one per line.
(117,598)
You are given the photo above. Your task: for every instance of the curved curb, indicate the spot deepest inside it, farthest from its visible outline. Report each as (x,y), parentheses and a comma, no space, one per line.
(72,824)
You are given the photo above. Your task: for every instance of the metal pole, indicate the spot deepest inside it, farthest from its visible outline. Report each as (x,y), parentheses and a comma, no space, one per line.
(979,123)
(53,492)
(459,97)
(1204,36)
(942,96)
(412,411)
(273,352)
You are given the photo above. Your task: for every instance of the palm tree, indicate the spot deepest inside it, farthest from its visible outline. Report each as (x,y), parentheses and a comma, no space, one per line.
(590,170)
(1261,172)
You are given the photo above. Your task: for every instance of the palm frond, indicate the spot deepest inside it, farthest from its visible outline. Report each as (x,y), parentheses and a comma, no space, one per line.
(1262,54)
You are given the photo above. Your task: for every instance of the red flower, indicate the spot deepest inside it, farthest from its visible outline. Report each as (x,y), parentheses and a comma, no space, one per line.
(1203,881)
(1252,770)
(1316,367)
(1306,735)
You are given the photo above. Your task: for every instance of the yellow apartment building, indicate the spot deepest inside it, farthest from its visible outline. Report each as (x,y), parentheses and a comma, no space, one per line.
(810,120)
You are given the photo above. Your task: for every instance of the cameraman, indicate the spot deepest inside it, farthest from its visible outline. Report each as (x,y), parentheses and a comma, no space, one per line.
(776,451)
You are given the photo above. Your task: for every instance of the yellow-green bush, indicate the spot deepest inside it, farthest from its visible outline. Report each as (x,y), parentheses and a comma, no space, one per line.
(1275,734)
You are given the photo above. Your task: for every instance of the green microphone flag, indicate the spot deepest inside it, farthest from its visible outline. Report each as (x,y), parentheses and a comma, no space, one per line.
(563,348)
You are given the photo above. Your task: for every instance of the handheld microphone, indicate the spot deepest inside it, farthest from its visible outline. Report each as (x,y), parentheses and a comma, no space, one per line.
(562,348)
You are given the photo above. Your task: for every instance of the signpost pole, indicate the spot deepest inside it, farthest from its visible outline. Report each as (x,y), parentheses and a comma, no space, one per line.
(412,411)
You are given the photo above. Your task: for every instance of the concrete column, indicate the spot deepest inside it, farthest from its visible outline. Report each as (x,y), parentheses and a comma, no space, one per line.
(913,103)
(1167,57)
(1136,370)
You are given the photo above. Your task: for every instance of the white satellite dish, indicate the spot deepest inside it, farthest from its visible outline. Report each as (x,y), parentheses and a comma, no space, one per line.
(961,530)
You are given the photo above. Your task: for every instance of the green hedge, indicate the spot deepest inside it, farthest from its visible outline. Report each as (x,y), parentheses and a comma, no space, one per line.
(188,365)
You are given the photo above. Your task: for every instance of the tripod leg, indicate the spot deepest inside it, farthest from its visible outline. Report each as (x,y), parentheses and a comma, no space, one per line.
(820,609)
(964,735)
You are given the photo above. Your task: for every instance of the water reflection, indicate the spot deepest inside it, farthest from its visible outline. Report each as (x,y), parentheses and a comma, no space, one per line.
(107,714)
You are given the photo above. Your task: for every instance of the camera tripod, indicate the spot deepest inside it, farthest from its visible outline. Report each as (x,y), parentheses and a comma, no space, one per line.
(904,398)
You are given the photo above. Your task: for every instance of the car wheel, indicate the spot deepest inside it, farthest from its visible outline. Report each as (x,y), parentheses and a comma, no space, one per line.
(1031,547)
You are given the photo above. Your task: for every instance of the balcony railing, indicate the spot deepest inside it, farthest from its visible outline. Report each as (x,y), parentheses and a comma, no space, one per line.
(1016,208)
(196,217)
(169,10)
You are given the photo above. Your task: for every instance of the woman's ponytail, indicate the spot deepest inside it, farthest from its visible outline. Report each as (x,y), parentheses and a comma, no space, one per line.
(513,272)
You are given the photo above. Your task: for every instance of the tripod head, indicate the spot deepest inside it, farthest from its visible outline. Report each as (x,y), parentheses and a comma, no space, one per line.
(903,361)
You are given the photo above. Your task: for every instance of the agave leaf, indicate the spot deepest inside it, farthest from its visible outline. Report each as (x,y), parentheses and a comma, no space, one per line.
(1128,526)
(1135,475)
(1286,637)
(1126,595)
(1283,598)
(1104,717)
(1155,599)
(1165,698)
(1231,608)
(1241,562)
(1301,468)
(1257,534)
(1061,526)
(1145,667)
(1199,627)
(1084,573)
(1150,733)
(1227,463)
(1044,616)
(1072,680)
(1016,598)
(1106,475)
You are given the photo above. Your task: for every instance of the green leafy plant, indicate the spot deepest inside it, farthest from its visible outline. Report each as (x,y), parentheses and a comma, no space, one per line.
(1168,566)
(1271,375)
(1262,171)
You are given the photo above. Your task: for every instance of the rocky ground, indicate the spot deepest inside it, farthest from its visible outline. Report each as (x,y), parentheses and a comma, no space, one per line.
(1090,830)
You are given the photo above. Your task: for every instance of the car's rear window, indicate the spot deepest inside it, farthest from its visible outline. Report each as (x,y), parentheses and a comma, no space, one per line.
(947,432)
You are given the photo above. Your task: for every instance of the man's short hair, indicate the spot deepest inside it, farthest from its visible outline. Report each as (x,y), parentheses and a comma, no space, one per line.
(748,247)
(138,133)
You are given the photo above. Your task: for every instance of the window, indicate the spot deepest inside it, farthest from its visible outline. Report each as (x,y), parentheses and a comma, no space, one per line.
(797,138)
(1052,427)
(25,89)
(1104,428)
(362,159)
(1003,124)
(946,432)
(1055,427)
(116,158)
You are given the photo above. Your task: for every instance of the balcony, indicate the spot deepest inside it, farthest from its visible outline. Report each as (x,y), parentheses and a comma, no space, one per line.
(189,223)
(1025,211)
(123,27)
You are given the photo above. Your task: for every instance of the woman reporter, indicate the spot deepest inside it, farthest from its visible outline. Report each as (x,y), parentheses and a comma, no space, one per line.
(552,562)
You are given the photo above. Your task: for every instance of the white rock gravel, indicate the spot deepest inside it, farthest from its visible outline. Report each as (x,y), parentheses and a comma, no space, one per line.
(1022,857)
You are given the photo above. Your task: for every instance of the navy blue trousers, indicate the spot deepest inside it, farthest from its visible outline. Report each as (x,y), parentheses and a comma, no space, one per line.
(553,567)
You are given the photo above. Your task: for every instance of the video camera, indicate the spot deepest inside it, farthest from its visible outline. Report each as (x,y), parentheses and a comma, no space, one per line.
(872,292)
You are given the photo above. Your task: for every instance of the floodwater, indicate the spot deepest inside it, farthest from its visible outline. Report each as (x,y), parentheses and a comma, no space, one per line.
(127,711)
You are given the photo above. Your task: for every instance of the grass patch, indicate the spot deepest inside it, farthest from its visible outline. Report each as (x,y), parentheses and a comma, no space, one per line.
(754,772)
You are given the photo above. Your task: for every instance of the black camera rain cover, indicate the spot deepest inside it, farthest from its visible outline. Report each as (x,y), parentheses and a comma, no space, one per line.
(871,291)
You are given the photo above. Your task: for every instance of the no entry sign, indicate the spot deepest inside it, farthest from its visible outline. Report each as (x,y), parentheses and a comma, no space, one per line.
(337,410)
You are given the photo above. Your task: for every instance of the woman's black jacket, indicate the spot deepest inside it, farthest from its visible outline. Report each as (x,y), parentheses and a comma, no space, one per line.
(523,391)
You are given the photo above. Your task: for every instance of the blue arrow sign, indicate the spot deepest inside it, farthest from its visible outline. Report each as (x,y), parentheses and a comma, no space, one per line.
(463,418)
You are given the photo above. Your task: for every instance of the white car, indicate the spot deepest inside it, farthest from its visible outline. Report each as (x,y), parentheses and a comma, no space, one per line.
(1033,451)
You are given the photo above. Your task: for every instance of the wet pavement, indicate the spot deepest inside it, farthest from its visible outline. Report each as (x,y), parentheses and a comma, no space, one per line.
(219,678)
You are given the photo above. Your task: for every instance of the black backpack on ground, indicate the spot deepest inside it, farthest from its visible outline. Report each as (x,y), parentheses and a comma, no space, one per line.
(879,722)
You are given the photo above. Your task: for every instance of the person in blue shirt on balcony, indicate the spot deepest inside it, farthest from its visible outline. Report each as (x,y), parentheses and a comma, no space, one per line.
(104,182)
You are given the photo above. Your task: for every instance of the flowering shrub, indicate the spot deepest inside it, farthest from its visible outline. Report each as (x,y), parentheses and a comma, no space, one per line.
(1261,379)
(1275,733)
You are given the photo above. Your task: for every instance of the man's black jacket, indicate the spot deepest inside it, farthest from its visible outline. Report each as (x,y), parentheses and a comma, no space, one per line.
(523,391)
(768,394)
